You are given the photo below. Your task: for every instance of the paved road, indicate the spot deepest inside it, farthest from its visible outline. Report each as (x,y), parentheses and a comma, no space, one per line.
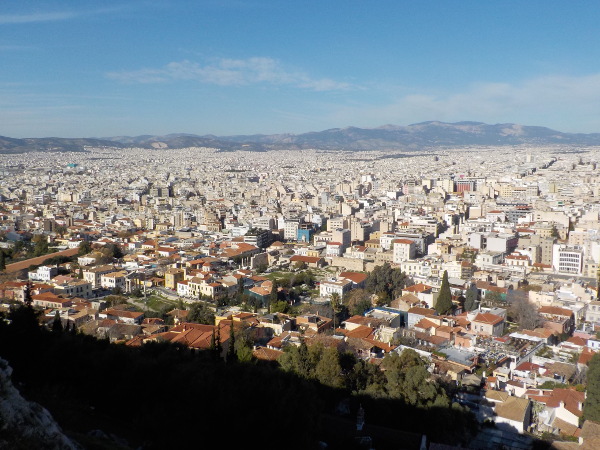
(15,267)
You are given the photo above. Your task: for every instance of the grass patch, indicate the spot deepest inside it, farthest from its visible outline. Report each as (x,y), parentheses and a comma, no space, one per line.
(156,303)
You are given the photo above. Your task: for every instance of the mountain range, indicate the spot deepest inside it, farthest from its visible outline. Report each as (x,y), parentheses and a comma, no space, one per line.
(387,137)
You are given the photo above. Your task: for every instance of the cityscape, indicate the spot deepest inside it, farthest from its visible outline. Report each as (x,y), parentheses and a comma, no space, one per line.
(299,225)
(487,278)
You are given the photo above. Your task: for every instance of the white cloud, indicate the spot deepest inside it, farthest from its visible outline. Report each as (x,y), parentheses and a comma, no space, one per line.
(568,103)
(36,17)
(231,72)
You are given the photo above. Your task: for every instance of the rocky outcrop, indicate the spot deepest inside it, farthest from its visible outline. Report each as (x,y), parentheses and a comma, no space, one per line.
(25,424)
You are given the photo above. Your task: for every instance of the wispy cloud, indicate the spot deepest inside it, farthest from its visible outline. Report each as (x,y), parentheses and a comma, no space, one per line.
(36,17)
(14,48)
(547,100)
(231,72)
(56,16)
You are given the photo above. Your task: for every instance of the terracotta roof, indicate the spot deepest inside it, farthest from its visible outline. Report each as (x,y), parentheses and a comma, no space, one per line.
(306,259)
(571,399)
(555,311)
(425,324)
(403,241)
(527,366)
(266,354)
(416,288)
(361,332)
(355,277)
(488,318)
(586,356)
(421,311)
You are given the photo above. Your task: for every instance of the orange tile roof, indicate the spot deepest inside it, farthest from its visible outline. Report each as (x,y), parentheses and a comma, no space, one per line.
(487,318)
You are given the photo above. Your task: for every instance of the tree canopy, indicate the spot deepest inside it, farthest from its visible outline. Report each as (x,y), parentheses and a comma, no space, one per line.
(385,279)
(200,313)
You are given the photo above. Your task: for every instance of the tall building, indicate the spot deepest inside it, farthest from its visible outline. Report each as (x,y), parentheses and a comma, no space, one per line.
(568,259)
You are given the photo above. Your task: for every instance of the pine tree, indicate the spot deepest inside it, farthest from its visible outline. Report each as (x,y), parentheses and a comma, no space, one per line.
(443,305)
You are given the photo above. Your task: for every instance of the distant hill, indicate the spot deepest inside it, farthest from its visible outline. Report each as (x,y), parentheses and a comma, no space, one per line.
(51,144)
(387,137)
(419,135)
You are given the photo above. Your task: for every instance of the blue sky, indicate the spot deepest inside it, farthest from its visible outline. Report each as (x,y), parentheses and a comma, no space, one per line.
(110,68)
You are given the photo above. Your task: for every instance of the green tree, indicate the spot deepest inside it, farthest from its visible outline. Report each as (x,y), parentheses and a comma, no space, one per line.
(367,378)
(591,410)
(296,360)
(361,307)
(383,298)
(328,370)
(2,261)
(385,279)
(60,230)
(41,245)
(279,306)
(243,346)
(443,305)
(471,298)
(407,378)
(84,248)
(200,313)
(494,299)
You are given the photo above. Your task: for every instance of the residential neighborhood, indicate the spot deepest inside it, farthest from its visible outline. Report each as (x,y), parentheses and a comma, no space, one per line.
(488,276)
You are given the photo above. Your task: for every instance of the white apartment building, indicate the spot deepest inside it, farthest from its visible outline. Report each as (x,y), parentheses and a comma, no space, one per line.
(404,249)
(290,229)
(43,273)
(113,280)
(567,259)
(329,287)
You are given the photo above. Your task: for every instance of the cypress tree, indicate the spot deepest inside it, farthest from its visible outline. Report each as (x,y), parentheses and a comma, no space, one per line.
(218,346)
(27,295)
(443,305)
(2,261)
(471,298)
(57,326)
(231,348)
